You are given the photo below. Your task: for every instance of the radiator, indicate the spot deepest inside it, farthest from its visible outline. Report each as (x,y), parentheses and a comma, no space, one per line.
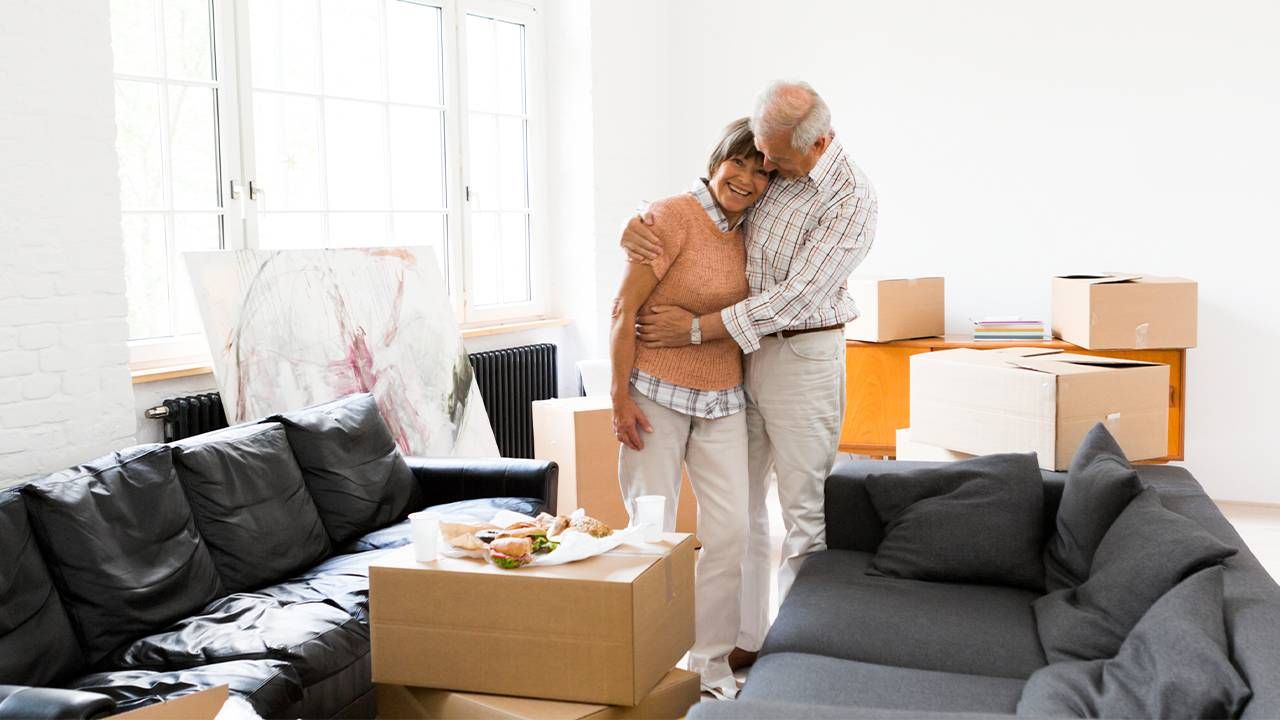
(509,381)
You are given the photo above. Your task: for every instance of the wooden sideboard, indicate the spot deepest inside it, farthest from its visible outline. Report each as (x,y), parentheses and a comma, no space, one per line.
(878,386)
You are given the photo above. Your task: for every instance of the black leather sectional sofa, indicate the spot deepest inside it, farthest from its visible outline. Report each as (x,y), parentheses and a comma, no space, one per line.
(239,557)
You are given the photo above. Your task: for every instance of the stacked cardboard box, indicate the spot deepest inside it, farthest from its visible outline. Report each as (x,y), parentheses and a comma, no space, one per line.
(1036,399)
(605,631)
(897,308)
(1115,311)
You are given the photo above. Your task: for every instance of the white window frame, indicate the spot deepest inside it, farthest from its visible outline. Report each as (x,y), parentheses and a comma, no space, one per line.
(237,163)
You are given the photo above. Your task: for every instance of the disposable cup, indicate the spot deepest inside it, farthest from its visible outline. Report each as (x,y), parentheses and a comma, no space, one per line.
(425,530)
(651,514)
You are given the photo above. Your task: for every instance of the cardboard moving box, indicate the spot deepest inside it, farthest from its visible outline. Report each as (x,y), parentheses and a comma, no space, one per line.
(908,448)
(603,630)
(1119,312)
(1034,399)
(202,705)
(576,433)
(897,308)
(671,699)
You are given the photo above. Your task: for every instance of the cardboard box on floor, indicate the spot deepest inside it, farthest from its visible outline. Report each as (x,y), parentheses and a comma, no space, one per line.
(602,630)
(202,705)
(897,308)
(1033,399)
(577,434)
(1113,311)
(908,448)
(671,699)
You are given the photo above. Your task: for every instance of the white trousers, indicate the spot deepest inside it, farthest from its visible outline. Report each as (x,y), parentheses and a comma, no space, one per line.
(715,453)
(795,407)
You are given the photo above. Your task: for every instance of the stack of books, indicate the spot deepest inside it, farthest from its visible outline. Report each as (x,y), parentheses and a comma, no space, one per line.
(1005,329)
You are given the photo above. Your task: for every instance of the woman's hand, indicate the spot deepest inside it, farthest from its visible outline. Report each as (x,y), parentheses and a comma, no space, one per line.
(628,421)
(665,326)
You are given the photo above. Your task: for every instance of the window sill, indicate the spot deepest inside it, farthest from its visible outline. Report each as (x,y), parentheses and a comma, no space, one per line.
(192,366)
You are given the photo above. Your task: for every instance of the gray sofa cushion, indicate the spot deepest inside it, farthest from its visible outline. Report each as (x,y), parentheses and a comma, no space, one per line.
(976,521)
(1100,484)
(1174,664)
(250,505)
(836,609)
(353,469)
(1147,551)
(801,678)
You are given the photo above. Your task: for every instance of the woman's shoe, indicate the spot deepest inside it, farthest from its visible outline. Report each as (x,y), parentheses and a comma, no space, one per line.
(739,658)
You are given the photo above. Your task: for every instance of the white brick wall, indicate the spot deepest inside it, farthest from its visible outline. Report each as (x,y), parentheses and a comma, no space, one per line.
(65,392)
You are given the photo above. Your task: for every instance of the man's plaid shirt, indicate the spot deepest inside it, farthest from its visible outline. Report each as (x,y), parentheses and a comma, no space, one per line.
(804,239)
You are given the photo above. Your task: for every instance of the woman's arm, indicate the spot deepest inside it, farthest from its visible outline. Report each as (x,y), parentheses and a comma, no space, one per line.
(638,281)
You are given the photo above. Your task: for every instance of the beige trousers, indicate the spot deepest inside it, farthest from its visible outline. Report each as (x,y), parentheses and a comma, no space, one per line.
(715,453)
(795,407)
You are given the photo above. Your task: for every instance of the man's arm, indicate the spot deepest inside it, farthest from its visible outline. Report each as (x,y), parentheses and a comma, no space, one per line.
(836,246)
(669,326)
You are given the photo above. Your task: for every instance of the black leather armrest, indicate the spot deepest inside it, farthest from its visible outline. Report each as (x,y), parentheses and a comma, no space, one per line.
(446,480)
(43,703)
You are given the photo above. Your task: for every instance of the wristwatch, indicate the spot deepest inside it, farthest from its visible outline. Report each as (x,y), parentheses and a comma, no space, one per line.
(695,332)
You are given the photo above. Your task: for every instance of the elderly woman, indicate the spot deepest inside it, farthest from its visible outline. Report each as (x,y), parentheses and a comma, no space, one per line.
(683,405)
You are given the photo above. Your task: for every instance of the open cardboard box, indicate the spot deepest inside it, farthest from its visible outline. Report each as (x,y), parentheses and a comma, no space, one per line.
(896,308)
(1034,399)
(671,699)
(1115,311)
(603,630)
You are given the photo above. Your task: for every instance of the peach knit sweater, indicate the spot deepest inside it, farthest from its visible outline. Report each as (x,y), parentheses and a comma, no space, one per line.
(702,270)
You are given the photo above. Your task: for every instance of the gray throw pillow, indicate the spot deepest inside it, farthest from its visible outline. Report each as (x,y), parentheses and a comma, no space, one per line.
(1100,484)
(1175,664)
(1148,550)
(976,521)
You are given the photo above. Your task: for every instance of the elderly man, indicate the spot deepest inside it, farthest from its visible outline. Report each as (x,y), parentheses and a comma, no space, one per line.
(813,226)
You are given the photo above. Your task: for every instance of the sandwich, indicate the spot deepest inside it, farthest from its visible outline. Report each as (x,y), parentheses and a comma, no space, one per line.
(534,532)
(590,526)
(511,552)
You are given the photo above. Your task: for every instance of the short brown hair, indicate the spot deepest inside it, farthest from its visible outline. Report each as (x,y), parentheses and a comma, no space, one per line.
(737,141)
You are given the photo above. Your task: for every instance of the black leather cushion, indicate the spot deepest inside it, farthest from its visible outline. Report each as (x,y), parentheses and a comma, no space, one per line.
(121,545)
(1175,663)
(478,510)
(1100,484)
(1148,550)
(41,703)
(271,686)
(316,638)
(976,521)
(37,644)
(342,580)
(250,504)
(356,475)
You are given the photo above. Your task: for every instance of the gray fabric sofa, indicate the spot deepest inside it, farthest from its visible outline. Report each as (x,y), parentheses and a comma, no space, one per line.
(848,644)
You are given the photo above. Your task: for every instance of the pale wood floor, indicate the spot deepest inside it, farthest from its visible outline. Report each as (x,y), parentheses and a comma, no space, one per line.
(1259,527)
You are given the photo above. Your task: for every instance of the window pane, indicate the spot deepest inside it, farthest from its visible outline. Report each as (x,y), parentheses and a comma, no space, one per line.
(515,257)
(287,146)
(291,230)
(146,266)
(191,231)
(138,145)
(356,143)
(193,139)
(508,41)
(352,52)
(359,229)
(486,265)
(135,43)
(285,44)
(188,40)
(422,229)
(481,64)
(482,142)
(512,172)
(417,158)
(413,39)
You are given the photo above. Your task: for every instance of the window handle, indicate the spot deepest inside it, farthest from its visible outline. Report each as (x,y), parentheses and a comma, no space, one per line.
(256,191)
(237,189)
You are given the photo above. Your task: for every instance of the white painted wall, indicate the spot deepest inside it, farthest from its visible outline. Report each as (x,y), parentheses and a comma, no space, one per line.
(65,394)
(1008,141)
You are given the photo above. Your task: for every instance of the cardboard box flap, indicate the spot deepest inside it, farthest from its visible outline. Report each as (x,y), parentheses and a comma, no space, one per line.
(1072,364)
(1104,362)
(1103,278)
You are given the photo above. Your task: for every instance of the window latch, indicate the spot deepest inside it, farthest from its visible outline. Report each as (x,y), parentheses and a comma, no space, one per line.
(256,191)
(236,189)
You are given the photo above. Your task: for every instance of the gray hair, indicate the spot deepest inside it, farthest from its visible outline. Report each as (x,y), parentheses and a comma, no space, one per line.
(792,106)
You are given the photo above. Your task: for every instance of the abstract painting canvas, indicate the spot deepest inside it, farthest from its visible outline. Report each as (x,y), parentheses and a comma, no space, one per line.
(291,328)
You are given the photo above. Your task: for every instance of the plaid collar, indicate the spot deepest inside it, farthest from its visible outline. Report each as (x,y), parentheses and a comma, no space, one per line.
(701,190)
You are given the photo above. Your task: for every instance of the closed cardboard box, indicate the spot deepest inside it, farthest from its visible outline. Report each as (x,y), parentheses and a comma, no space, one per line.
(908,448)
(1033,399)
(577,434)
(896,308)
(1112,311)
(602,630)
(671,699)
